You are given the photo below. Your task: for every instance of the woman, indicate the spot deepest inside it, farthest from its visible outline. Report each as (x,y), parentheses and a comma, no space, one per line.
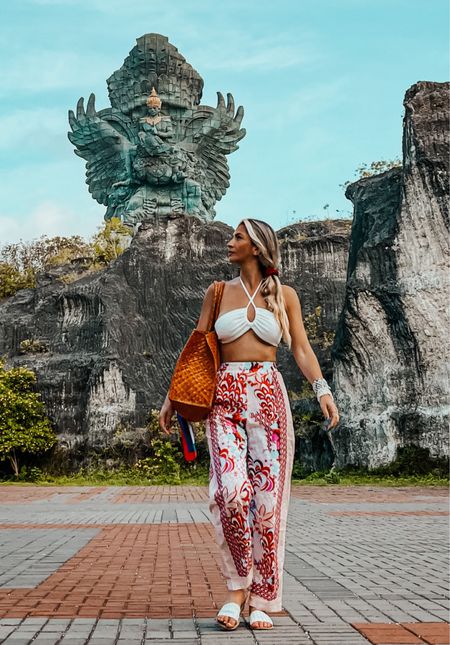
(249,428)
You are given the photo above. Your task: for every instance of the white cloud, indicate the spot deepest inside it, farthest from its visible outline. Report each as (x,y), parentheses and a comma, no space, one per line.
(11,229)
(316,98)
(39,178)
(49,218)
(300,107)
(102,5)
(41,70)
(241,51)
(32,127)
(53,2)
(260,57)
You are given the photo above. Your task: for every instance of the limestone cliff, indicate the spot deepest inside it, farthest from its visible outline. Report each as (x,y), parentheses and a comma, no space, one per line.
(389,356)
(114,336)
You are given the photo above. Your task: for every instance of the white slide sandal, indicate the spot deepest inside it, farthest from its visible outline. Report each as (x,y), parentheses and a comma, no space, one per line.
(232,610)
(259,616)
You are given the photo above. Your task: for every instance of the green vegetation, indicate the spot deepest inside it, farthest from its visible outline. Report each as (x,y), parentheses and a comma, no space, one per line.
(166,465)
(364,170)
(413,466)
(145,456)
(133,456)
(24,426)
(21,263)
(314,328)
(375,168)
(198,475)
(163,467)
(111,241)
(32,346)
(13,279)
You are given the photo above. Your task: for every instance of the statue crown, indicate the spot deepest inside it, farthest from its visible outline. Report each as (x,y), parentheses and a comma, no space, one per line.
(153,100)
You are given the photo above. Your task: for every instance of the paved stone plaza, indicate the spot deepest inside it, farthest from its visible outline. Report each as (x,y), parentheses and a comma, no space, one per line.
(131,565)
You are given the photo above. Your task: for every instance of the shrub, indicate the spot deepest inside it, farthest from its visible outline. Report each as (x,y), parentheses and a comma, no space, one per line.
(414,460)
(163,463)
(33,346)
(163,466)
(12,279)
(375,168)
(111,241)
(21,262)
(24,426)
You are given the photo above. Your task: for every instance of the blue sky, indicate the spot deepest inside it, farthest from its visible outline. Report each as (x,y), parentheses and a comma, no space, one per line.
(321,81)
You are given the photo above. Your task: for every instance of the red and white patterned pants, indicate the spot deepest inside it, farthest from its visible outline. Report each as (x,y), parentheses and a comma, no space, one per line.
(250,437)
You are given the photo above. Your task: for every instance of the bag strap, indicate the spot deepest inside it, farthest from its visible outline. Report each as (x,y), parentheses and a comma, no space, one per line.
(218,292)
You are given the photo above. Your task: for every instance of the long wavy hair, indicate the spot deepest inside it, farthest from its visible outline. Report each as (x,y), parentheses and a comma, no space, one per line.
(265,238)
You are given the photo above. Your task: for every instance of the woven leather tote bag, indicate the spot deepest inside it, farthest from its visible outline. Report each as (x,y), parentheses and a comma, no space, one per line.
(193,381)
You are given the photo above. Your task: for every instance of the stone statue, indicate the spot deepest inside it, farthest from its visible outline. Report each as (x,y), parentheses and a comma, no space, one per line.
(156,151)
(155,125)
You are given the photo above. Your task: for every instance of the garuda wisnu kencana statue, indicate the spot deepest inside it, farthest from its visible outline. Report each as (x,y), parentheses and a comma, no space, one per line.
(156,151)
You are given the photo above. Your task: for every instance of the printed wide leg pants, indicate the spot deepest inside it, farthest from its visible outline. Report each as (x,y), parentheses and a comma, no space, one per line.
(250,437)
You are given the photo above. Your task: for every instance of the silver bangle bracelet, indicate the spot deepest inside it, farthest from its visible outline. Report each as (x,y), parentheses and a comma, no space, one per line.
(321,387)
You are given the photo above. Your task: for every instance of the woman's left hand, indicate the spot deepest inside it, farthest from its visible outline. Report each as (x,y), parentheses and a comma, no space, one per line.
(329,410)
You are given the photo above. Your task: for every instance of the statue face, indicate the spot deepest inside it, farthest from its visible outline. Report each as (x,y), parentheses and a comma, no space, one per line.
(153,110)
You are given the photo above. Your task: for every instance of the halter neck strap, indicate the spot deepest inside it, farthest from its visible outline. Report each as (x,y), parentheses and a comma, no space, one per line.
(246,291)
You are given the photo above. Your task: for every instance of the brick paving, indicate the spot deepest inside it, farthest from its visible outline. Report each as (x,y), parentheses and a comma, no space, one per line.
(139,564)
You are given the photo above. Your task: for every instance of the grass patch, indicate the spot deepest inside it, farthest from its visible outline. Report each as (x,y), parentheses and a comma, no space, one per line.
(364,479)
(413,466)
(198,475)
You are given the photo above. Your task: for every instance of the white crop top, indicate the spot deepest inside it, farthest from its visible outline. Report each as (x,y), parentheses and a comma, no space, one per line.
(234,323)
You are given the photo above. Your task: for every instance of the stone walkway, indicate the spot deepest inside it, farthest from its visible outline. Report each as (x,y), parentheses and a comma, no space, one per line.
(139,564)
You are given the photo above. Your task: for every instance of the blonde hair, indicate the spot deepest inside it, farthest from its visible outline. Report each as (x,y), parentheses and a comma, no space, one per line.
(265,238)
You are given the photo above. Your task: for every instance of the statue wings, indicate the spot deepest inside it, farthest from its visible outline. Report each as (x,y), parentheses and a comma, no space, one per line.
(102,145)
(104,139)
(211,134)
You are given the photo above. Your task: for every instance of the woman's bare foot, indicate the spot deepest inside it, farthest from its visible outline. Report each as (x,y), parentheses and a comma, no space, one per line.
(238,595)
(260,624)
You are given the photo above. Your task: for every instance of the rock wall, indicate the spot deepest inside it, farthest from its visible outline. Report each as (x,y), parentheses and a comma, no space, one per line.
(390,372)
(314,259)
(114,336)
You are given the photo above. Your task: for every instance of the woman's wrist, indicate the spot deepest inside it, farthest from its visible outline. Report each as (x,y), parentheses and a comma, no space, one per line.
(321,387)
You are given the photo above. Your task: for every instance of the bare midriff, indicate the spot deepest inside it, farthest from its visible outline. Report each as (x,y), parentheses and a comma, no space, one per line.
(247,348)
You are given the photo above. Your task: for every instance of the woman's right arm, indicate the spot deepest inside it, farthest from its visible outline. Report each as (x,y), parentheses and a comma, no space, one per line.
(167,410)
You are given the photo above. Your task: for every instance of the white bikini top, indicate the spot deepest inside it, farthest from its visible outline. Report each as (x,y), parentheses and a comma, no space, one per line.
(234,323)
